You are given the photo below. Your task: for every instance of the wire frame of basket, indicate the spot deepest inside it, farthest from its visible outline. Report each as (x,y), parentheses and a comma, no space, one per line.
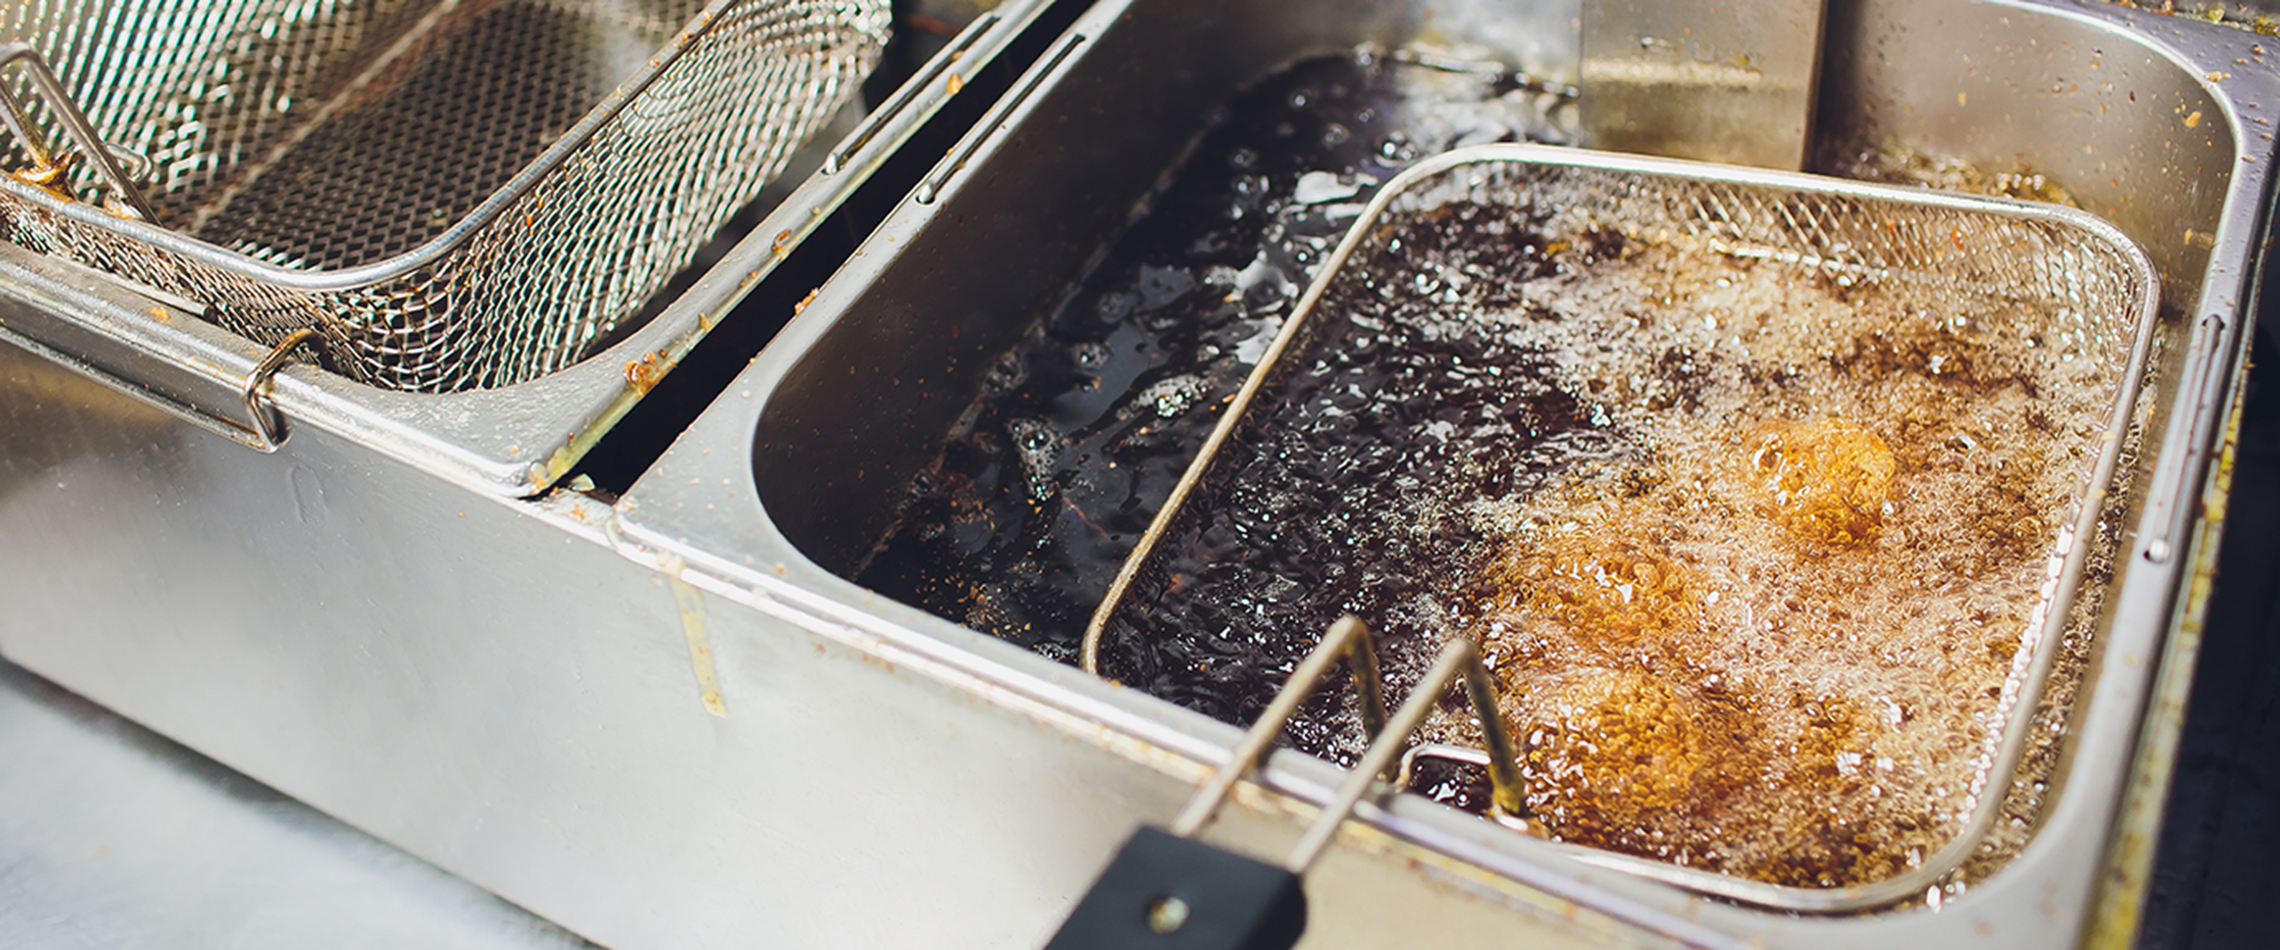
(453,195)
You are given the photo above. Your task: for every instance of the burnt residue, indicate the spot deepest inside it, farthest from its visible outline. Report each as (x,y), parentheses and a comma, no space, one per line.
(1898,165)
(1937,352)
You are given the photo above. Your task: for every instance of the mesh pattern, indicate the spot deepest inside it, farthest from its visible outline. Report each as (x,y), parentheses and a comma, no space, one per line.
(206,89)
(2085,290)
(314,137)
(1937,250)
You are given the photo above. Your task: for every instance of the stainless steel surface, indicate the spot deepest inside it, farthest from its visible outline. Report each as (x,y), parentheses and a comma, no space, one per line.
(1938,248)
(946,63)
(931,187)
(2128,867)
(794,477)
(1714,80)
(2257,15)
(111,837)
(454,193)
(540,733)
(1028,232)
(504,687)
(2211,871)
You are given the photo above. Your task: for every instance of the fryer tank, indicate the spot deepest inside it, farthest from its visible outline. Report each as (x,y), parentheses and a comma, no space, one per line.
(667,719)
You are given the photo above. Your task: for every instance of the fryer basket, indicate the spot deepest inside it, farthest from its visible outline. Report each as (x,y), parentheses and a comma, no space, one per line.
(2097,288)
(458,195)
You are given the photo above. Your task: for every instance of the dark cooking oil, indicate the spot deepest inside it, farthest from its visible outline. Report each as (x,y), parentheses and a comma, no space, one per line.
(1083,429)
(1316,511)
(1756,554)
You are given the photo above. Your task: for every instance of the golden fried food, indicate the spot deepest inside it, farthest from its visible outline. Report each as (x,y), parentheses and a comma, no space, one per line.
(1828,480)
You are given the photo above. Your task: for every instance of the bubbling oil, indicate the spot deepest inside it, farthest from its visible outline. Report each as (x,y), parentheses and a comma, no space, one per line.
(1861,493)
(1828,480)
(1756,553)
(1783,665)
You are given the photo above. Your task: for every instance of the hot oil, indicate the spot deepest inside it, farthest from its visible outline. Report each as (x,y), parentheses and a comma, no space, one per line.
(1698,677)
(2029,784)
(1322,515)
(1082,431)
(1755,552)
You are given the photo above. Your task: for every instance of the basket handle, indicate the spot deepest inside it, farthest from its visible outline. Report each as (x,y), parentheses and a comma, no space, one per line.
(130,338)
(1166,889)
(51,171)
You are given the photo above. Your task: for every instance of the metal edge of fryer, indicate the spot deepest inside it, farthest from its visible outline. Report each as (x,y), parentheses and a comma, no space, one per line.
(657,520)
(2055,613)
(511,441)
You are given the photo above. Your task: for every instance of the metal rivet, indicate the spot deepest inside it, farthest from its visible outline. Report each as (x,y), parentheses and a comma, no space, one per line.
(2158,551)
(1167,914)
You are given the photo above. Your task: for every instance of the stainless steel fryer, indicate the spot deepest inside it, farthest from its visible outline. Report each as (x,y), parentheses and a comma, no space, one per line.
(512,440)
(454,194)
(844,406)
(510,688)
(1936,250)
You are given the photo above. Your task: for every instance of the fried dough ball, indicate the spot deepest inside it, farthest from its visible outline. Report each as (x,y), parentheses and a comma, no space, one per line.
(1828,480)
(1619,588)
(1626,761)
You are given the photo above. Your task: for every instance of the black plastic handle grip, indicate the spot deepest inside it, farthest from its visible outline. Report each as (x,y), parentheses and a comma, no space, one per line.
(1163,892)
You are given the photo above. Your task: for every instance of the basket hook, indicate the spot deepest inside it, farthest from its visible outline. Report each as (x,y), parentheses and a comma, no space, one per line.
(1457,658)
(268,423)
(51,171)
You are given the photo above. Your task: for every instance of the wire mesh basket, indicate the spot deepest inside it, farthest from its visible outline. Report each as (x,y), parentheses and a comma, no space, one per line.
(458,194)
(1771,497)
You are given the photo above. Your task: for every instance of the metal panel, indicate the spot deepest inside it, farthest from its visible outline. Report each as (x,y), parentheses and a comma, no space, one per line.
(1685,80)
(115,835)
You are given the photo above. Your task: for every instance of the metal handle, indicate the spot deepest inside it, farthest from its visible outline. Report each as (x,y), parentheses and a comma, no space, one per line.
(131,337)
(52,170)
(931,187)
(1340,641)
(269,424)
(1458,658)
(1170,892)
(1350,638)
